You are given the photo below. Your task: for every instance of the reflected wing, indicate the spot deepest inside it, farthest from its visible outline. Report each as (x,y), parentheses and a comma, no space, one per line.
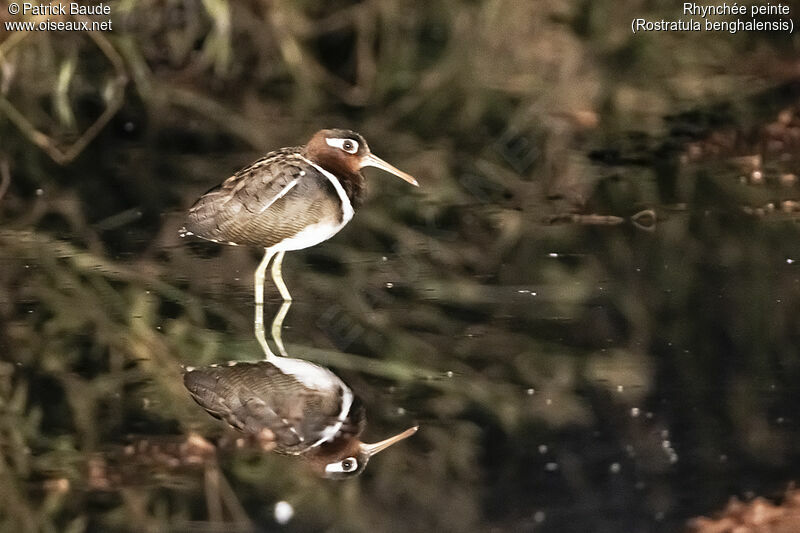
(255,396)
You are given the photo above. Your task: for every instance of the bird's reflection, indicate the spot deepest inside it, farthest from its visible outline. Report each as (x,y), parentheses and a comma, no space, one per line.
(292,406)
(277,329)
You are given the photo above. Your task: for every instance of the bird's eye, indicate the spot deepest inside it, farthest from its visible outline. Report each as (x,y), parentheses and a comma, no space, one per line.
(348,145)
(349,464)
(344,466)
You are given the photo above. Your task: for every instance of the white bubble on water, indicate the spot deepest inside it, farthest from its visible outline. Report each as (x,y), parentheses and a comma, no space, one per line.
(283,512)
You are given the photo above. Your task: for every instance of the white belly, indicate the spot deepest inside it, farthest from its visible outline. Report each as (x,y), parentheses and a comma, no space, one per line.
(321,231)
(310,236)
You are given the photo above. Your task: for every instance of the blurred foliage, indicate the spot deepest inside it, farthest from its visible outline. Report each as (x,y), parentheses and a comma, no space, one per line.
(565,376)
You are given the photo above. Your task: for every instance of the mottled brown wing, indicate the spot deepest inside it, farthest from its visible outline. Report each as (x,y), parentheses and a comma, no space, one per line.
(254,396)
(265,203)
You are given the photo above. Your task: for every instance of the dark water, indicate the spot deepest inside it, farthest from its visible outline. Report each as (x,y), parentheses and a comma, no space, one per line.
(571,377)
(589,307)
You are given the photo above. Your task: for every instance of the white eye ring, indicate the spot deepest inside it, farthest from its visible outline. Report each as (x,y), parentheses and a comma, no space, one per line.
(344,466)
(348,145)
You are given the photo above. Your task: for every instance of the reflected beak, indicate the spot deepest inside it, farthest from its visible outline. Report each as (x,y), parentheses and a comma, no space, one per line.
(372,449)
(371,160)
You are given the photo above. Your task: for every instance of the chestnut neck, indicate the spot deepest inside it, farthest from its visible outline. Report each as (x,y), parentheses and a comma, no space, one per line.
(352,180)
(340,447)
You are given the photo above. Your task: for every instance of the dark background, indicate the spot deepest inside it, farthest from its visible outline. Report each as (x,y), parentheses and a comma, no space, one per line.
(590,305)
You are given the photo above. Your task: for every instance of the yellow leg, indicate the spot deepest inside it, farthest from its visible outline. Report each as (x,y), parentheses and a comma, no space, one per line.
(259,288)
(277,325)
(277,277)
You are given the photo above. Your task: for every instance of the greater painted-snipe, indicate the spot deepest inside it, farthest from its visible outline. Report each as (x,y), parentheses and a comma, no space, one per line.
(299,407)
(291,199)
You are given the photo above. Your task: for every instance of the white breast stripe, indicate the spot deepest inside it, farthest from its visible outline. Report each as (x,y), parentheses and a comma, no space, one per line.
(321,379)
(330,432)
(280,195)
(347,207)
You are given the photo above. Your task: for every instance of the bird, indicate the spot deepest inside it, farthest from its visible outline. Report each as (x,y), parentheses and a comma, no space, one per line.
(305,409)
(290,199)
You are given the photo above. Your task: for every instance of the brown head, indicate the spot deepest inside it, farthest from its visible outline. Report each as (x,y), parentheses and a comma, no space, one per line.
(344,153)
(344,458)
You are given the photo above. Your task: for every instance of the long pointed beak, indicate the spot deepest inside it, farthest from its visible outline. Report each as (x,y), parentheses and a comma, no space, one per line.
(372,449)
(371,160)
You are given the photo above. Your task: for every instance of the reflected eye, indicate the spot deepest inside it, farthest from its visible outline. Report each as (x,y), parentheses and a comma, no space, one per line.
(348,145)
(344,466)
